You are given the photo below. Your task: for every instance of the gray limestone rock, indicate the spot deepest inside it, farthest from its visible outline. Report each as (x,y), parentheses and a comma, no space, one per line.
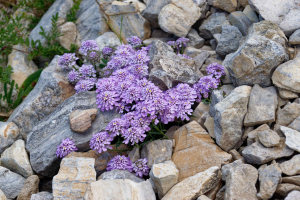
(261,108)
(295,37)
(42,196)
(268,138)
(195,40)
(120,174)
(10,183)
(9,132)
(213,24)
(250,14)
(258,154)
(288,114)
(159,48)
(49,132)
(229,41)
(292,166)
(293,195)
(240,20)
(292,138)
(295,124)
(52,88)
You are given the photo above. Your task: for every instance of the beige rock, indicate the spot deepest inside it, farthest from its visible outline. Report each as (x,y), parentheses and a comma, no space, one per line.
(119,189)
(81,120)
(134,154)
(22,67)
(30,187)
(292,138)
(243,3)
(164,176)
(178,17)
(16,159)
(119,7)
(294,195)
(73,178)
(9,132)
(221,193)
(69,34)
(227,5)
(194,186)
(253,135)
(195,151)
(203,197)
(284,189)
(286,75)
(288,114)
(268,138)
(236,155)
(291,167)
(209,125)
(287,94)
(295,124)
(171,131)
(213,192)
(292,179)
(269,178)
(276,128)
(229,117)
(120,174)
(199,111)
(2,195)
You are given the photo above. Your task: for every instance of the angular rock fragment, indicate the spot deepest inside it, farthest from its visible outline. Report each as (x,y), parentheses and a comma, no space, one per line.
(9,132)
(292,179)
(288,114)
(31,186)
(292,138)
(287,94)
(241,21)
(284,189)
(292,166)
(295,38)
(227,5)
(195,40)
(69,35)
(250,14)
(108,39)
(217,96)
(295,124)
(294,195)
(213,24)
(81,120)
(120,174)
(268,138)
(229,41)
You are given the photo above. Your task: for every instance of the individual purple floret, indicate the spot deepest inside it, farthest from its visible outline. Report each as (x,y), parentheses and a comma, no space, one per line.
(107,52)
(120,162)
(184,56)
(87,46)
(68,60)
(65,148)
(100,142)
(87,71)
(140,167)
(85,85)
(73,76)
(182,42)
(134,41)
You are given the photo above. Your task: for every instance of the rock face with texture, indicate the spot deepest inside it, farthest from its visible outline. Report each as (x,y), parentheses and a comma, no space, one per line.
(246,67)
(227,5)
(108,39)
(178,17)
(258,154)
(120,174)
(69,35)
(42,196)
(90,22)
(269,138)
(217,96)
(284,189)
(229,117)
(195,186)
(269,178)
(195,40)
(295,38)
(62,7)
(157,151)
(288,114)
(195,151)
(168,70)
(292,138)
(2,195)
(52,88)
(291,167)
(120,189)
(295,124)
(261,107)
(15,158)
(294,195)
(152,11)
(284,13)
(292,179)
(9,132)
(229,41)
(10,183)
(22,67)
(49,132)
(164,176)
(73,178)
(213,24)
(241,21)
(81,120)
(240,181)
(30,187)
(286,75)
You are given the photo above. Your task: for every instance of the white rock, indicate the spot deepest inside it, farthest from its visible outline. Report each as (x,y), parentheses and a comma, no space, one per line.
(292,138)
(108,39)
(16,159)
(294,195)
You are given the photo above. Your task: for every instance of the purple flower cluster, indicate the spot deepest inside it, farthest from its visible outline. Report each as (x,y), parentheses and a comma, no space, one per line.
(140,166)
(179,44)
(184,56)
(68,60)
(101,142)
(84,78)
(88,46)
(65,148)
(134,41)
(216,70)
(107,52)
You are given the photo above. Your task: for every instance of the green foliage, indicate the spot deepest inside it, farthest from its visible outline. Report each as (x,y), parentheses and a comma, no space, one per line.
(71,17)
(5,74)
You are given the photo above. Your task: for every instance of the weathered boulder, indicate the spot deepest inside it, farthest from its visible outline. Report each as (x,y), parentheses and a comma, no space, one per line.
(241,21)
(292,166)
(31,186)
(195,151)
(21,65)
(15,158)
(292,138)
(261,108)
(286,75)
(157,151)
(9,132)
(62,7)
(257,57)
(50,131)
(164,176)
(286,14)
(229,41)
(196,185)
(108,39)
(178,17)
(229,117)
(120,174)
(81,120)
(258,154)
(120,189)
(269,178)
(52,88)
(10,183)
(288,114)
(68,31)
(213,24)
(73,178)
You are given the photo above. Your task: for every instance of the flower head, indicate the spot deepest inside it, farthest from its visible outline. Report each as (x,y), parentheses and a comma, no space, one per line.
(120,162)
(172,44)
(101,142)
(73,76)
(85,85)
(65,148)
(107,100)
(182,42)
(216,70)
(134,41)
(140,167)
(87,46)
(116,126)
(68,60)
(107,52)
(93,56)
(87,71)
